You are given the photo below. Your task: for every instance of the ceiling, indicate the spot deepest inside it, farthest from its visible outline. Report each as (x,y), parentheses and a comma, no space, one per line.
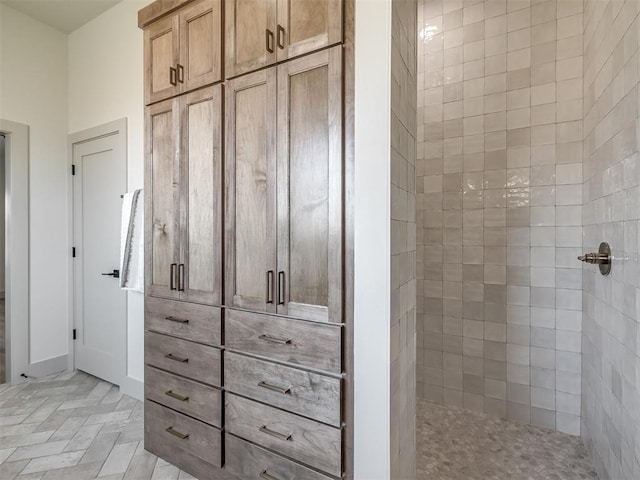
(64,15)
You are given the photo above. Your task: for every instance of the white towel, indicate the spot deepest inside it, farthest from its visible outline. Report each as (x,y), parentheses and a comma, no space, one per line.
(132,242)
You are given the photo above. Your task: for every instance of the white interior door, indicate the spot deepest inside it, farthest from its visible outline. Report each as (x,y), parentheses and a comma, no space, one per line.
(100,306)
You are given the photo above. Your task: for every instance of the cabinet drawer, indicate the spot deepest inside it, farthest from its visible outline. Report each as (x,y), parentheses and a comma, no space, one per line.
(309,394)
(186,320)
(179,438)
(186,396)
(183,357)
(293,341)
(309,442)
(251,462)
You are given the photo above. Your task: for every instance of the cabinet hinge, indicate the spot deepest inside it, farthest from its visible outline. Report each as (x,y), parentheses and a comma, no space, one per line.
(73,169)
(73,252)
(74,334)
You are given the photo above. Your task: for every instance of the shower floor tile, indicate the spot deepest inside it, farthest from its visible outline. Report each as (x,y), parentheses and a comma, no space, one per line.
(457,444)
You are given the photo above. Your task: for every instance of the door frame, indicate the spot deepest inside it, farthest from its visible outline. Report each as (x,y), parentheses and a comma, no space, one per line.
(118,128)
(17,334)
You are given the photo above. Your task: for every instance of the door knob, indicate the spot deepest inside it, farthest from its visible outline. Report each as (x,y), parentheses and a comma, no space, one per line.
(114,274)
(602,258)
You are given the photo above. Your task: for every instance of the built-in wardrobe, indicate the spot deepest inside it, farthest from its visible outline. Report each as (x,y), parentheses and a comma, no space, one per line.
(247,330)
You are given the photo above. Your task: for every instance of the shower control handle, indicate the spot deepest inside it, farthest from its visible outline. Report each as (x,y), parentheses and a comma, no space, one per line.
(594,258)
(602,258)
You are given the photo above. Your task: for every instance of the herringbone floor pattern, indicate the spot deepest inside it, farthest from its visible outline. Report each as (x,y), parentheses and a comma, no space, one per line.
(73,426)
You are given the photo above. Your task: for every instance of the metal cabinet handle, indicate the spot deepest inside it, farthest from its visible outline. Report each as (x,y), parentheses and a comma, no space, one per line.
(281,33)
(266,476)
(270,286)
(281,288)
(182,398)
(171,356)
(181,277)
(172,76)
(172,276)
(269,338)
(177,320)
(269,39)
(275,388)
(180,73)
(181,436)
(279,435)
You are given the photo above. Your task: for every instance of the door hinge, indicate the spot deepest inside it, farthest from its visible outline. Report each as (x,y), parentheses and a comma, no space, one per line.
(73,169)
(74,334)
(73,252)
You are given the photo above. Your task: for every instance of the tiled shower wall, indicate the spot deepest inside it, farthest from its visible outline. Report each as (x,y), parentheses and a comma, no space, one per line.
(499,207)
(611,361)
(403,240)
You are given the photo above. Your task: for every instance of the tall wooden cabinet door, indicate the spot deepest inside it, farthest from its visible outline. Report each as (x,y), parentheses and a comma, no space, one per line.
(200,271)
(307,25)
(250,169)
(309,283)
(160,60)
(162,191)
(250,35)
(200,45)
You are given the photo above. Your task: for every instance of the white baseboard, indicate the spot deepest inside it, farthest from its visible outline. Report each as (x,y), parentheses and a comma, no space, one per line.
(133,387)
(47,367)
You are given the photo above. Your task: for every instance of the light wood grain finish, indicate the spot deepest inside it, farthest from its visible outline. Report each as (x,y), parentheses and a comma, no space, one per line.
(250,186)
(186,396)
(308,25)
(249,25)
(310,394)
(310,186)
(182,357)
(250,462)
(201,196)
(309,442)
(158,9)
(200,44)
(162,184)
(190,321)
(203,442)
(302,343)
(160,56)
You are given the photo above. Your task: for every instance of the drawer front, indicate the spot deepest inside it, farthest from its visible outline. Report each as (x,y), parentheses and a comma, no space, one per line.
(309,442)
(185,320)
(181,437)
(186,396)
(293,341)
(305,393)
(184,358)
(251,462)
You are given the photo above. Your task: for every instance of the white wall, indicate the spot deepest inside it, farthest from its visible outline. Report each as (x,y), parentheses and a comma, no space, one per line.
(33,79)
(105,84)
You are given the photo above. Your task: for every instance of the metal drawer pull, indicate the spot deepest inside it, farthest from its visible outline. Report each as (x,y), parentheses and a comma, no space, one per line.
(266,476)
(269,338)
(281,37)
(284,391)
(171,356)
(176,396)
(180,73)
(269,41)
(172,276)
(177,320)
(279,435)
(270,286)
(172,76)
(181,436)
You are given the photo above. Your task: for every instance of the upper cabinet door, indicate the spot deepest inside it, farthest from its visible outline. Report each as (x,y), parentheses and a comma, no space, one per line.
(162,193)
(250,170)
(160,60)
(309,280)
(200,271)
(250,35)
(200,45)
(307,25)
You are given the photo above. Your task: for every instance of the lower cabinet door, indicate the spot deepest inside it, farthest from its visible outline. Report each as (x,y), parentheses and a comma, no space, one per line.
(250,462)
(186,443)
(304,440)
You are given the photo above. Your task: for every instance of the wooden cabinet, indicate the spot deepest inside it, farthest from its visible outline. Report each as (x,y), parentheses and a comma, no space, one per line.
(284,189)
(184,216)
(262,32)
(183,51)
